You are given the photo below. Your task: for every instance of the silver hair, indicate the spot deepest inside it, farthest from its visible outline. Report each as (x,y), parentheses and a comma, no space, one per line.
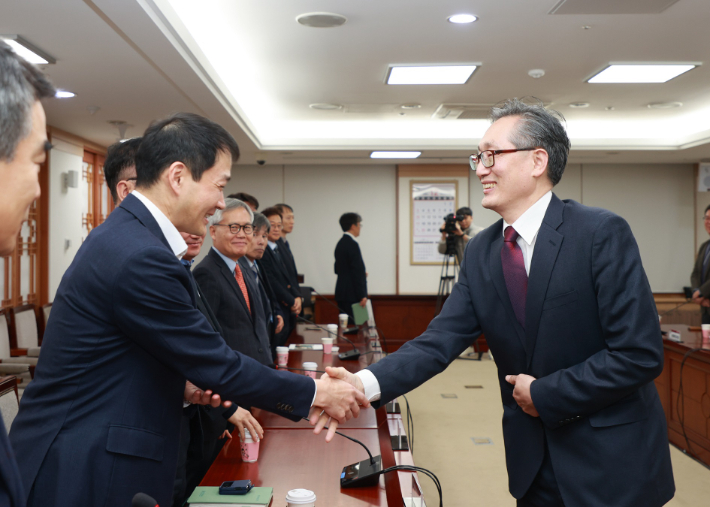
(260,221)
(21,85)
(541,128)
(230,204)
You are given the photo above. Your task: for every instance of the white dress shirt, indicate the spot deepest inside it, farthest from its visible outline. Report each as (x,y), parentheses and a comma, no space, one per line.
(177,244)
(527,227)
(349,234)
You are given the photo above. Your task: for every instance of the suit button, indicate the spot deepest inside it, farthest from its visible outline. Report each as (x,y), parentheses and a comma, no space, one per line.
(261,350)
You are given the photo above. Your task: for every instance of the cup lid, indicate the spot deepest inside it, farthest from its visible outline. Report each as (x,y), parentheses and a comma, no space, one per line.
(336,348)
(310,366)
(297,496)
(343,315)
(281,349)
(247,435)
(332,326)
(327,339)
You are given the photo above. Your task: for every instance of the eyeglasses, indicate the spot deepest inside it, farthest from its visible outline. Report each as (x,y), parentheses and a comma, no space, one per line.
(277,226)
(487,157)
(131,179)
(235,228)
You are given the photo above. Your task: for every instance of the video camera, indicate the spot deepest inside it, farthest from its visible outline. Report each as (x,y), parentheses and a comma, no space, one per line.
(450,223)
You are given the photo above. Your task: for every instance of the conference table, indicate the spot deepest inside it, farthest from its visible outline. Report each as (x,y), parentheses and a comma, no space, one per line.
(291,456)
(686,404)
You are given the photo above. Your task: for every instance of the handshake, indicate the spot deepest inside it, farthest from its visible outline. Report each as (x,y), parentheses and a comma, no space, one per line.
(339,396)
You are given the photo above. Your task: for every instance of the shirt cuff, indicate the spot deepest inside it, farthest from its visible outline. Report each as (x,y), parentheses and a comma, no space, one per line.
(314,392)
(185,404)
(371,385)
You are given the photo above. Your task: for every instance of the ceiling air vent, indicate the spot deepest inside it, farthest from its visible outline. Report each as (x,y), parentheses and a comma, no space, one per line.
(611,6)
(462,111)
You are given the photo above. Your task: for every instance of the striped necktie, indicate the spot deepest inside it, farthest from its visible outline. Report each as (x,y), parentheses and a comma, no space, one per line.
(242,285)
(516,278)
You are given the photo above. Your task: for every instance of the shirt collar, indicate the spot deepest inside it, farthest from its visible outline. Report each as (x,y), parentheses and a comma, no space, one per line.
(349,234)
(232,265)
(172,235)
(272,245)
(530,222)
(187,263)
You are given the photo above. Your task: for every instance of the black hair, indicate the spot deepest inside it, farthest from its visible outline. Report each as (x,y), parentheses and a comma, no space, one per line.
(271,211)
(465,211)
(183,137)
(281,207)
(347,220)
(247,198)
(119,157)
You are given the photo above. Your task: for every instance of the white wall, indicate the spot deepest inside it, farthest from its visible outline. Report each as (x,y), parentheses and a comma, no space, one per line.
(319,195)
(65,210)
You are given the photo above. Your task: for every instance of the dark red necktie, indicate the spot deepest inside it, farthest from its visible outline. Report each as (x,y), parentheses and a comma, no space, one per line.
(516,278)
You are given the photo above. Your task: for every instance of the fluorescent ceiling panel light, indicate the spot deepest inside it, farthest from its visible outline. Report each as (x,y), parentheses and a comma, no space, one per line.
(27,51)
(437,74)
(462,18)
(640,73)
(63,94)
(395,154)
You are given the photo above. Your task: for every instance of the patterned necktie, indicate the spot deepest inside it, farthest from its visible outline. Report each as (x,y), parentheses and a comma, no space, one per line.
(516,278)
(240,281)
(256,273)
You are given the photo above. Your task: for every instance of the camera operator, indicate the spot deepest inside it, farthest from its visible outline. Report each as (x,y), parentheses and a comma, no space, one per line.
(462,231)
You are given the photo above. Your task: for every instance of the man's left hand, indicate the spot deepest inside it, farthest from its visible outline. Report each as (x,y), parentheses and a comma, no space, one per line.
(363,302)
(521,392)
(197,396)
(279,324)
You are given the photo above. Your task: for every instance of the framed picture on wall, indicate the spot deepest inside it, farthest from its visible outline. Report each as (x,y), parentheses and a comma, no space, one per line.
(430,202)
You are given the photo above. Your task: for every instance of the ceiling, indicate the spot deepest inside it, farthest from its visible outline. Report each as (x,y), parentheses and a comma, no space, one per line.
(250,66)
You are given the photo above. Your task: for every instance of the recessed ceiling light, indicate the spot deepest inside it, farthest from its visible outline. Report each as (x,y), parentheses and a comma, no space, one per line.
(411,106)
(579,105)
(63,94)
(27,50)
(664,105)
(434,74)
(461,19)
(536,73)
(640,73)
(321,19)
(324,106)
(395,154)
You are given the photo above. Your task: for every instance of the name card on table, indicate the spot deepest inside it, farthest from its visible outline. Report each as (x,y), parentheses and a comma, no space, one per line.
(674,336)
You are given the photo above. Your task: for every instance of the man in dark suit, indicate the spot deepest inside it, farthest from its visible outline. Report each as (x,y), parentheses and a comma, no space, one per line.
(559,291)
(351,286)
(287,292)
(287,222)
(101,419)
(23,148)
(700,277)
(250,263)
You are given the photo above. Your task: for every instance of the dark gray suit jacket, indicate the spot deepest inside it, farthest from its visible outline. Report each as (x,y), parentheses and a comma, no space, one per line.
(697,281)
(243,330)
(591,340)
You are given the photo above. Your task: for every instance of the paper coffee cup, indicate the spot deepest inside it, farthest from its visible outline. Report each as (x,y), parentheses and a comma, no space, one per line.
(282,355)
(301,498)
(310,369)
(706,331)
(250,449)
(333,329)
(343,319)
(327,345)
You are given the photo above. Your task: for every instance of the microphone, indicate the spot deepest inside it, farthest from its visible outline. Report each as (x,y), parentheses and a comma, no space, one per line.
(348,330)
(343,356)
(676,307)
(143,500)
(363,473)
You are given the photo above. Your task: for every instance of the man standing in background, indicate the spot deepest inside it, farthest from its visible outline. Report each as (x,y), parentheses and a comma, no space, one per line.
(287,223)
(465,230)
(23,148)
(700,278)
(351,287)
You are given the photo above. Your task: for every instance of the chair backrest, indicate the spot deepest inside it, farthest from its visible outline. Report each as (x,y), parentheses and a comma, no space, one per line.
(25,323)
(45,312)
(9,400)
(4,334)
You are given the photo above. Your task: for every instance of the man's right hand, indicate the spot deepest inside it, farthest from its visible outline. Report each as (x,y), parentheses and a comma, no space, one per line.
(323,419)
(296,308)
(337,399)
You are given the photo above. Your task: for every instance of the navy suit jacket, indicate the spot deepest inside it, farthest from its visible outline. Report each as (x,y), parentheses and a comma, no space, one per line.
(289,262)
(591,340)
(101,419)
(12,493)
(285,291)
(243,329)
(351,285)
(271,306)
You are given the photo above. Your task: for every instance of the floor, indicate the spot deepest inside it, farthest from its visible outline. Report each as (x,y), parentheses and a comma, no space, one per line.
(445,429)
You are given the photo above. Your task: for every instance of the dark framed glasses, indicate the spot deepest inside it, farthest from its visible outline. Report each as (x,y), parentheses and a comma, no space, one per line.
(235,228)
(487,157)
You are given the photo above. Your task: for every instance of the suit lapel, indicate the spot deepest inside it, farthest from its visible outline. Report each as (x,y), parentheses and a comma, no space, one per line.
(231,280)
(496,266)
(136,208)
(547,246)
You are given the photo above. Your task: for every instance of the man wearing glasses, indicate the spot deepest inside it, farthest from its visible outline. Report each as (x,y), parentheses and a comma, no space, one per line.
(700,278)
(559,291)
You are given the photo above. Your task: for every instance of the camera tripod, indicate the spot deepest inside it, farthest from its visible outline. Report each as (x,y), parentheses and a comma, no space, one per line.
(449,273)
